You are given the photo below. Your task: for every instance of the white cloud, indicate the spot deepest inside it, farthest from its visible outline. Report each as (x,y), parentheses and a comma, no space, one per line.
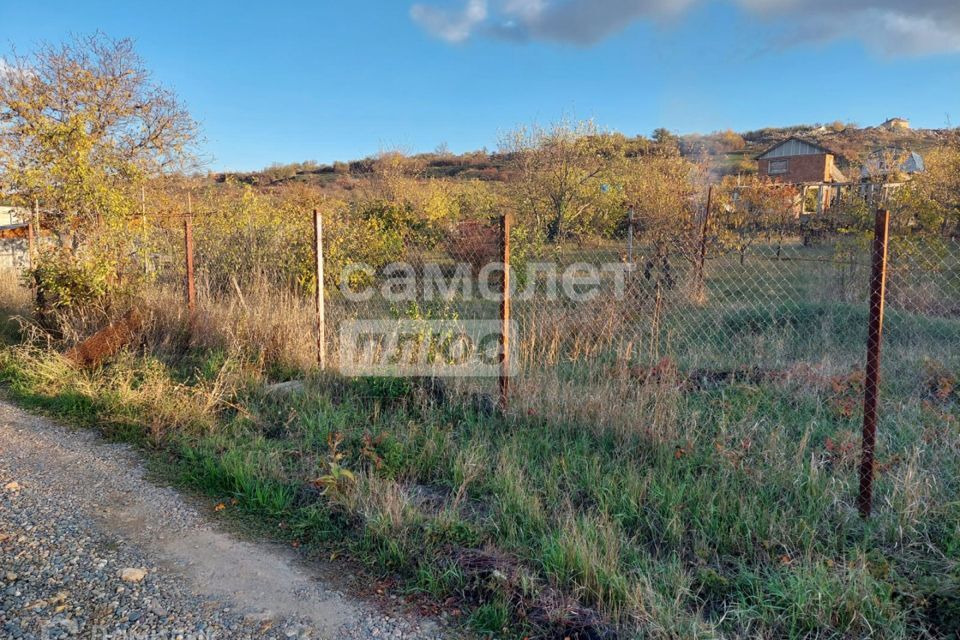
(889,26)
(524,9)
(586,22)
(450,25)
(912,34)
(8,70)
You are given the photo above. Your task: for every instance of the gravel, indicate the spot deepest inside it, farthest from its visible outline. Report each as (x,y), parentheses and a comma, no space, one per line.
(91,548)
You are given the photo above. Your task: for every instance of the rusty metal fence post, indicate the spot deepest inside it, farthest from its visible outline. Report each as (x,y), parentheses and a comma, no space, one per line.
(702,249)
(191,289)
(30,245)
(871,393)
(144,252)
(504,379)
(319,298)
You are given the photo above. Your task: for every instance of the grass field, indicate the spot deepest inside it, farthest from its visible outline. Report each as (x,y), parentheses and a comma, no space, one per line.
(693,479)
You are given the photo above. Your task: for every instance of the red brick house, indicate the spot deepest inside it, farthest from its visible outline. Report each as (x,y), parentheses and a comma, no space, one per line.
(799,161)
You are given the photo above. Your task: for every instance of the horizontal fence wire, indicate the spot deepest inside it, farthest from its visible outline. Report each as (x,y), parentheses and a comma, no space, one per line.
(594,318)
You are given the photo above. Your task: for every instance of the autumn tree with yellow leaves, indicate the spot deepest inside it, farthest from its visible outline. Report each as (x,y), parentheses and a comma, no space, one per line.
(81,125)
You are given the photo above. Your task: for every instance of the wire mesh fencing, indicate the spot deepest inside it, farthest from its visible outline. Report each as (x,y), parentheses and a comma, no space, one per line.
(432,313)
(591,321)
(615,333)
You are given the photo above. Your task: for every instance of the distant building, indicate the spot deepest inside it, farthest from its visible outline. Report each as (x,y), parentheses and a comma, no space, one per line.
(886,163)
(11,215)
(896,123)
(799,161)
(14,240)
(885,171)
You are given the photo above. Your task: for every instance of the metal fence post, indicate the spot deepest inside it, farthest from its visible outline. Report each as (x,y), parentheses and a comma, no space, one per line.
(702,250)
(144,252)
(319,300)
(871,393)
(34,227)
(504,380)
(30,246)
(188,247)
(630,236)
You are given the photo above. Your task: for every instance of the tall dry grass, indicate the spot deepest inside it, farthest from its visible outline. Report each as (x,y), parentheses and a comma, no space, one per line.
(680,507)
(15,305)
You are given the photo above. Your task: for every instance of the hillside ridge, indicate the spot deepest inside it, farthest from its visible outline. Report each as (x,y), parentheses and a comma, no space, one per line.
(729,152)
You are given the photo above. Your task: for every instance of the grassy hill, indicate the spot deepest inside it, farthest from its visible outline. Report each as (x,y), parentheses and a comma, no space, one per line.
(728,152)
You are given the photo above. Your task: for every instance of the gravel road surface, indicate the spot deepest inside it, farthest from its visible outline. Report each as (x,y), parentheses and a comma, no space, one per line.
(90,547)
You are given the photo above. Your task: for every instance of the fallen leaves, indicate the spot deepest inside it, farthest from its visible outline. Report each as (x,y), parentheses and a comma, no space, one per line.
(842,449)
(943,387)
(942,383)
(220,506)
(847,393)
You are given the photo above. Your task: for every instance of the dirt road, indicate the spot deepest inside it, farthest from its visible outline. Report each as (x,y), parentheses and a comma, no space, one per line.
(90,547)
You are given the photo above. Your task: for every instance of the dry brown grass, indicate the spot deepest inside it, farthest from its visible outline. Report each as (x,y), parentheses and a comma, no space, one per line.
(13,295)
(262,326)
(15,305)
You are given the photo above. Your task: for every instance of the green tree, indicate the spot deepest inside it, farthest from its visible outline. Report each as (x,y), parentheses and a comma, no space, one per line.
(81,124)
(930,202)
(563,177)
(668,143)
(664,193)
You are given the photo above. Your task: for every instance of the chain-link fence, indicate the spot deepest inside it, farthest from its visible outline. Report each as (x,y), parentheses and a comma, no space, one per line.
(592,321)
(627,305)
(710,372)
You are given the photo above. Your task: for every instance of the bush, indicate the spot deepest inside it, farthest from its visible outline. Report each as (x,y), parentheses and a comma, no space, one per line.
(66,281)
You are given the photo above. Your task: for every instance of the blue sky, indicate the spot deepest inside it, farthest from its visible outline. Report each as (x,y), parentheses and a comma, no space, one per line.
(341,80)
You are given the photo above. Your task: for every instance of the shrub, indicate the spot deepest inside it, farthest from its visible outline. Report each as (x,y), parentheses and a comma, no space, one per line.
(73,282)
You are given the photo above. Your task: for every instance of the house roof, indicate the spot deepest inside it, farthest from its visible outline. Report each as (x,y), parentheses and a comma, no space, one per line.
(896,120)
(878,163)
(799,147)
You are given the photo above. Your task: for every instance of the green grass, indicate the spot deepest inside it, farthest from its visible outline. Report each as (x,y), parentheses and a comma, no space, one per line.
(741,524)
(608,500)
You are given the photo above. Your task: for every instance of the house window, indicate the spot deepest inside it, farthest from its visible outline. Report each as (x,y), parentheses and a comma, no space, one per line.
(778,167)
